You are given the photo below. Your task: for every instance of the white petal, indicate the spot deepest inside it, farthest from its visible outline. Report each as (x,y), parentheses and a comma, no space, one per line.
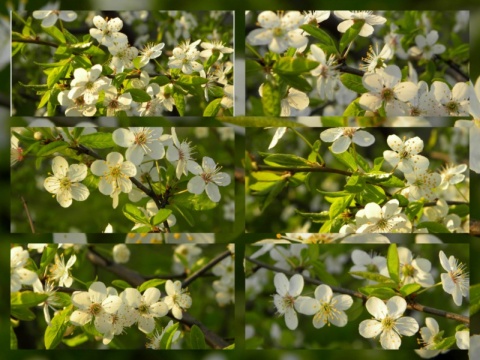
(281,284)
(390,340)
(212,191)
(151,295)
(123,137)
(407,326)
(323,293)
(80,318)
(291,319)
(296,285)
(376,307)
(363,138)
(196,185)
(370,328)
(341,144)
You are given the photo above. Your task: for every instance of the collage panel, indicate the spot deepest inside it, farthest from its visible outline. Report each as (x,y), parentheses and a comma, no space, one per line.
(122,296)
(360,297)
(352,180)
(122,63)
(357,63)
(122,180)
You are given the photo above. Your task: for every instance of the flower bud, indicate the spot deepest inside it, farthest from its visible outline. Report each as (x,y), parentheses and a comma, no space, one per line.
(38,135)
(121,254)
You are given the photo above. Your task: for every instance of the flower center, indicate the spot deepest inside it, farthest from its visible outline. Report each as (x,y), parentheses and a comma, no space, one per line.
(387,94)
(143,309)
(65,183)
(95,309)
(408,270)
(277,32)
(452,106)
(349,132)
(289,301)
(388,323)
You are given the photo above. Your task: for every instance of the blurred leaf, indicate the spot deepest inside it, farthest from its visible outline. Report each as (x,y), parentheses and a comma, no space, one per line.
(402,200)
(53,147)
(252,66)
(271,99)
(346,159)
(26,299)
(265,176)
(138,95)
(315,217)
(332,121)
(474,299)
(293,66)
(179,102)
(191,80)
(253,121)
(353,82)
(393,181)
(354,109)
(121,284)
(350,35)
(134,214)
(327,44)
(445,344)
(286,160)
(229,347)
(97,140)
(55,33)
(47,257)
(322,273)
(184,213)
(54,332)
(168,335)
(197,339)
(460,210)
(393,263)
(339,206)
(409,289)
(22,313)
(297,82)
(212,108)
(194,202)
(274,192)
(13,339)
(433,227)
(76,340)
(253,343)
(160,216)
(373,276)
(161,80)
(150,283)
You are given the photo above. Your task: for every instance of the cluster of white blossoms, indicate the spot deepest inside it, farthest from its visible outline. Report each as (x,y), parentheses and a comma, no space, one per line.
(111,312)
(225,286)
(388,321)
(383,81)
(143,146)
(88,85)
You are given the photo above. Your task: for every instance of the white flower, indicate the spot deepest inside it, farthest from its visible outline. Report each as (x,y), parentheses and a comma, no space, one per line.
(185,58)
(140,141)
(208,177)
(51,302)
(422,184)
(375,59)
(121,253)
(88,83)
(214,47)
(385,87)
(371,263)
(424,103)
(65,182)
(295,99)
(285,300)
(150,51)
(75,107)
(430,334)
(463,339)
(123,54)
(61,272)
(455,102)
(439,213)
(327,76)
(344,136)
(225,292)
(455,281)
(382,219)
(154,342)
(427,46)
(50,17)
(350,17)
(326,308)
(227,99)
(451,175)
(405,155)
(16,151)
(181,155)
(177,299)
(414,270)
(389,322)
(107,33)
(279,32)
(147,307)
(315,17)
(114,102)
(95,304)
(18,274)
(114,175)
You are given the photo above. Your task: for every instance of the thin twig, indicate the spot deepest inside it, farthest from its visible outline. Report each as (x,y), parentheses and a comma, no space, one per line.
(412,305)
(205,268)
(30,221)
(136,279)
(35,41)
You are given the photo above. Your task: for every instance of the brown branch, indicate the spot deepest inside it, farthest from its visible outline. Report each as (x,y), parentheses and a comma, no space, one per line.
(35,41)
(411,304)
(136,279)
(205,268)
(30,221)
(350,70)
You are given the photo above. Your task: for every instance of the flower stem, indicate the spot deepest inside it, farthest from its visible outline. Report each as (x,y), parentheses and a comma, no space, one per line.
(303,138)
(252,49)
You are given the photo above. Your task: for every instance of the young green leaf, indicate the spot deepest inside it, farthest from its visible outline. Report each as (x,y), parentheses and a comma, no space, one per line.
(339,206)
(433,227)
(58,326)
(373,276)
(293,66)
(150,283)
(212,108)
(353,82)
(121,284)
(197,339)
(138,95)
(134,214)
(393,263)
(168,336)
(327,44)
(97,140)
(52,148)
(350,35)
(271,99)
(26,299)
(286,160)
(160,216)
(409,289)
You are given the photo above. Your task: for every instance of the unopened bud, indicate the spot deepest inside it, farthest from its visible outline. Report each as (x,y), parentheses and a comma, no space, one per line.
(38,135)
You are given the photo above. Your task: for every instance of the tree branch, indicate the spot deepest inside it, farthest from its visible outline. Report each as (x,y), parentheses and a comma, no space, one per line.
(30,221)
(135,279)
(411,304)
(35,41)
(205,268)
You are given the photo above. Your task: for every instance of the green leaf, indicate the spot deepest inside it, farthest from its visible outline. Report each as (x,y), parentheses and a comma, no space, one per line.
(355,184)
(383,293)
(315,217)
(353,82)
(265,176)
(168,335)
(119,79)
(253,343)
(393,263)
(327,44)
(22,313)
(58,325)
(160,216)
(339,206)
(460,210)
(433,227)
(252,66)
(373,276)
(52,147)
(377,177)
(44,99)
(334,194)
(474,299)
(94,50)
(229,347)
(55,33)
(184,213)
(322,273)
(191,80)
(150,283)
(161,80)
(274,192)
(212,108)
(333,121)
(351,34)
(197,339)
(47,257)
(138,95)
(297,82)
(76,340)
(413,210)
(445,344)
(121,284)
(354,109)
(13,339)
(97,140)
(194,202)
(393,181)
(263,187)
(271,99)
(346,159)
(409,289)
(371,193)
(402,200)
(179,102)
(286,160)
(134,214)
(293,66)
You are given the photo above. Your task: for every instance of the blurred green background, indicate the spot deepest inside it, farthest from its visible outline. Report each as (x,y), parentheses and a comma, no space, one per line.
(239,43)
